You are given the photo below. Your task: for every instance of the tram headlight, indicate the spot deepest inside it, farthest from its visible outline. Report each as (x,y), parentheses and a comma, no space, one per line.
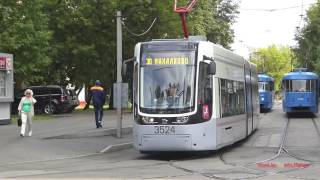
(262,99)
(148,120)
(182,120)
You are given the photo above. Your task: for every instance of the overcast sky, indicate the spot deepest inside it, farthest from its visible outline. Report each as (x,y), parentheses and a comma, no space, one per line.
(265,22)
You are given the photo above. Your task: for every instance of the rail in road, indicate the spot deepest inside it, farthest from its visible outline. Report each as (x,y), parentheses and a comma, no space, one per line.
(297,153)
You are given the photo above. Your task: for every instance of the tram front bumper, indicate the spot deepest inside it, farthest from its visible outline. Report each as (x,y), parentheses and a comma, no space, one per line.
(163,143)
(194,137)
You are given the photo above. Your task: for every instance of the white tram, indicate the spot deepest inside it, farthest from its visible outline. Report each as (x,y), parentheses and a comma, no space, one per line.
(192,96)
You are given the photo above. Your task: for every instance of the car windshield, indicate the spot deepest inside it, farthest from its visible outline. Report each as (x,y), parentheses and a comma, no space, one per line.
(167,81)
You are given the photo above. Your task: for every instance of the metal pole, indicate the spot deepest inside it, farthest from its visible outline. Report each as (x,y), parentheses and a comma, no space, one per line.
(119,78)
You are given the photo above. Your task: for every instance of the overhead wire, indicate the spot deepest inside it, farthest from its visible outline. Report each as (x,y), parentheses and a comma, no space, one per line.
(141,34)
(278,9)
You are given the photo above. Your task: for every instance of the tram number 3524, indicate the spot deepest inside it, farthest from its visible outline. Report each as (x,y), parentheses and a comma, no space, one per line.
(164,130)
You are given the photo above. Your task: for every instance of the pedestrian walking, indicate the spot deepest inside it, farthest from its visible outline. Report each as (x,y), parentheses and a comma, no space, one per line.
(98,100)
(26,111)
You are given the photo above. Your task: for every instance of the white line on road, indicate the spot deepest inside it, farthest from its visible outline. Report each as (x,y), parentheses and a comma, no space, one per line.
(117,147)
(110,148)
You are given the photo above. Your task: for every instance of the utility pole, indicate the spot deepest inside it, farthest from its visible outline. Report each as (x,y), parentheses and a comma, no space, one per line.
(119,77)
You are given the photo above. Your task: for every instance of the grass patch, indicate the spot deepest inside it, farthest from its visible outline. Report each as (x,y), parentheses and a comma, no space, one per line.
(37,117)
(105,108)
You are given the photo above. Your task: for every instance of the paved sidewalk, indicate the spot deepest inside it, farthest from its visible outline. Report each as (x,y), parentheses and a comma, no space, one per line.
(63,136)
(79,123)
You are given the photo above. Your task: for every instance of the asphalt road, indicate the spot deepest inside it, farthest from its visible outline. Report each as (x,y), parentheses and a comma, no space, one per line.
(282,148)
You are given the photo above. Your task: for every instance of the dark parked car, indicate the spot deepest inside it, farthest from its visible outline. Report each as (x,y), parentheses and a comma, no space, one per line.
(50,99)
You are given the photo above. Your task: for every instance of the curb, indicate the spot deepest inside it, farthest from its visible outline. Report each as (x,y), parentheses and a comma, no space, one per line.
(116,147)
(104,132)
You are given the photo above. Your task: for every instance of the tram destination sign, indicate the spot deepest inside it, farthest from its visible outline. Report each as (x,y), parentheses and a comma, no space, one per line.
(168,58)
(167,61)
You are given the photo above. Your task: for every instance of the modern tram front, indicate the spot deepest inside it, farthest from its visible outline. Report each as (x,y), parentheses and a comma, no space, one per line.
(168,115)
(188,98)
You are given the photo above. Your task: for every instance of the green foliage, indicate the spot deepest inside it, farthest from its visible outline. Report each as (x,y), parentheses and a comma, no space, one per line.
(213,19)
(308,50)
(55,39)
(25,34)
(274,61)
(84,40)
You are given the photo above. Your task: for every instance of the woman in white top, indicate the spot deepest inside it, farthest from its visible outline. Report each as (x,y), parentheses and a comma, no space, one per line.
(26,110)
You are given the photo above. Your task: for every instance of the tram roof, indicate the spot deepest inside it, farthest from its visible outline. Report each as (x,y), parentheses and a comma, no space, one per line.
(264,77)
(300,76)
(218,49)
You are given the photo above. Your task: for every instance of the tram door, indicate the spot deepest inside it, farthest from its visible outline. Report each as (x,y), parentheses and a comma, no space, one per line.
(249,107)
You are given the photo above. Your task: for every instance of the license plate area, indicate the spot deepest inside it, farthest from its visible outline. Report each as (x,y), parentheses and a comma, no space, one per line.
(164,130)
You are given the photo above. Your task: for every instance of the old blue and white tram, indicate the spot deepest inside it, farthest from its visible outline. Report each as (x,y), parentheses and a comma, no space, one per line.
(192,96)
(300,91)
(266,91)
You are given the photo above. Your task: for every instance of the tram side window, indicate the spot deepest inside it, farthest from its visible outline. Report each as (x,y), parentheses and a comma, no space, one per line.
(2,84)
(135,88)
(205,85)
(232,97)
(135,82)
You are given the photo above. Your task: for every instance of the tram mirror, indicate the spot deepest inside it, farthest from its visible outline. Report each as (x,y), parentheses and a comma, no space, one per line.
(212,68)
(125,64)
(212,65)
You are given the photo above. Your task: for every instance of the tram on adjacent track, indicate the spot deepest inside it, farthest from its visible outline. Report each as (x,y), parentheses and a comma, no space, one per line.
(300,91)
(266,91)
(192,95)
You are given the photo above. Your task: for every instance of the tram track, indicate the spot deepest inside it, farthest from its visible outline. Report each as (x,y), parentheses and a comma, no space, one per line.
(291,154)
(251,172)
(282,149)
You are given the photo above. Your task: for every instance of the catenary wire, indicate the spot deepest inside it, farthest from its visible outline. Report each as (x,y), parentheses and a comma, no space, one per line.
(279,9)
(141,34)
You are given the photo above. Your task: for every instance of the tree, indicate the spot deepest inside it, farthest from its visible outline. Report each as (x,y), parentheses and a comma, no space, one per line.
(274,61)
(83,40)
(214,19)
(308,49)
(84,32)
(25,34)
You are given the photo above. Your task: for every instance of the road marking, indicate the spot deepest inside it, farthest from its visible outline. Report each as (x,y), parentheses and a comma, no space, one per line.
(116,147)
(110,148)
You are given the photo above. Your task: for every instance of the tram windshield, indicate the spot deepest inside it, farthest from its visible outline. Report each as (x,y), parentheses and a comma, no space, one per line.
(167,82)
(265,86)
(300,85)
